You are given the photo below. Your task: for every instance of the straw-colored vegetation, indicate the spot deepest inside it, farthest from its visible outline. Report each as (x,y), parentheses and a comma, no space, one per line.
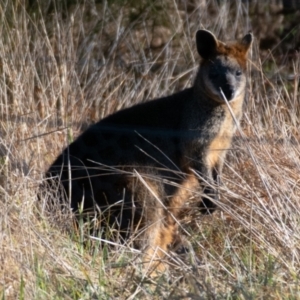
(63,68)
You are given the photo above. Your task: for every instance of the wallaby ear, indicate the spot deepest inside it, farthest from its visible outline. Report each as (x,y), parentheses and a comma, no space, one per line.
(206,43)
(246,41)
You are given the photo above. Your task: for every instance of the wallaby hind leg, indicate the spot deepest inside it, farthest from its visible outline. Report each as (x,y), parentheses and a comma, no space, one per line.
(154,257)
(154,230)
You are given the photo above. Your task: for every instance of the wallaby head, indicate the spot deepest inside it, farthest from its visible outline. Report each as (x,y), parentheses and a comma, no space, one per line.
(222,71)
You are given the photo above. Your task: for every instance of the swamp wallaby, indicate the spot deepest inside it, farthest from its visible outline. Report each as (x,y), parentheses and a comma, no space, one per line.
(137,168)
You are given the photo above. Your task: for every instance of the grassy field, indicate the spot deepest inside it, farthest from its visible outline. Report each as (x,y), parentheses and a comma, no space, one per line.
(61,72)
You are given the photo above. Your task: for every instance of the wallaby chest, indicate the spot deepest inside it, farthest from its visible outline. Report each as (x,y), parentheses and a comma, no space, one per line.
(221,141)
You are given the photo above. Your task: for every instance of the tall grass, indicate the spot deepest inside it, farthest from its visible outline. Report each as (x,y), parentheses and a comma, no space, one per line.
(61,72)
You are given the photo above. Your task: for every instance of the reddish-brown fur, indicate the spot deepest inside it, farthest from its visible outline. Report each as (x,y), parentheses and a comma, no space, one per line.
(235,50)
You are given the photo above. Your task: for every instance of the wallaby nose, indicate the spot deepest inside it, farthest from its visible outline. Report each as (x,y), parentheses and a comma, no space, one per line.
(228,91)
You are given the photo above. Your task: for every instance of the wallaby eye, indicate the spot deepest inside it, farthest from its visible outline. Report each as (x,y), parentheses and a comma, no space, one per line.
(238,73)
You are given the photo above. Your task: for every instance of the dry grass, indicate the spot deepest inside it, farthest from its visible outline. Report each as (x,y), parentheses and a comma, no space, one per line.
(59,74)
